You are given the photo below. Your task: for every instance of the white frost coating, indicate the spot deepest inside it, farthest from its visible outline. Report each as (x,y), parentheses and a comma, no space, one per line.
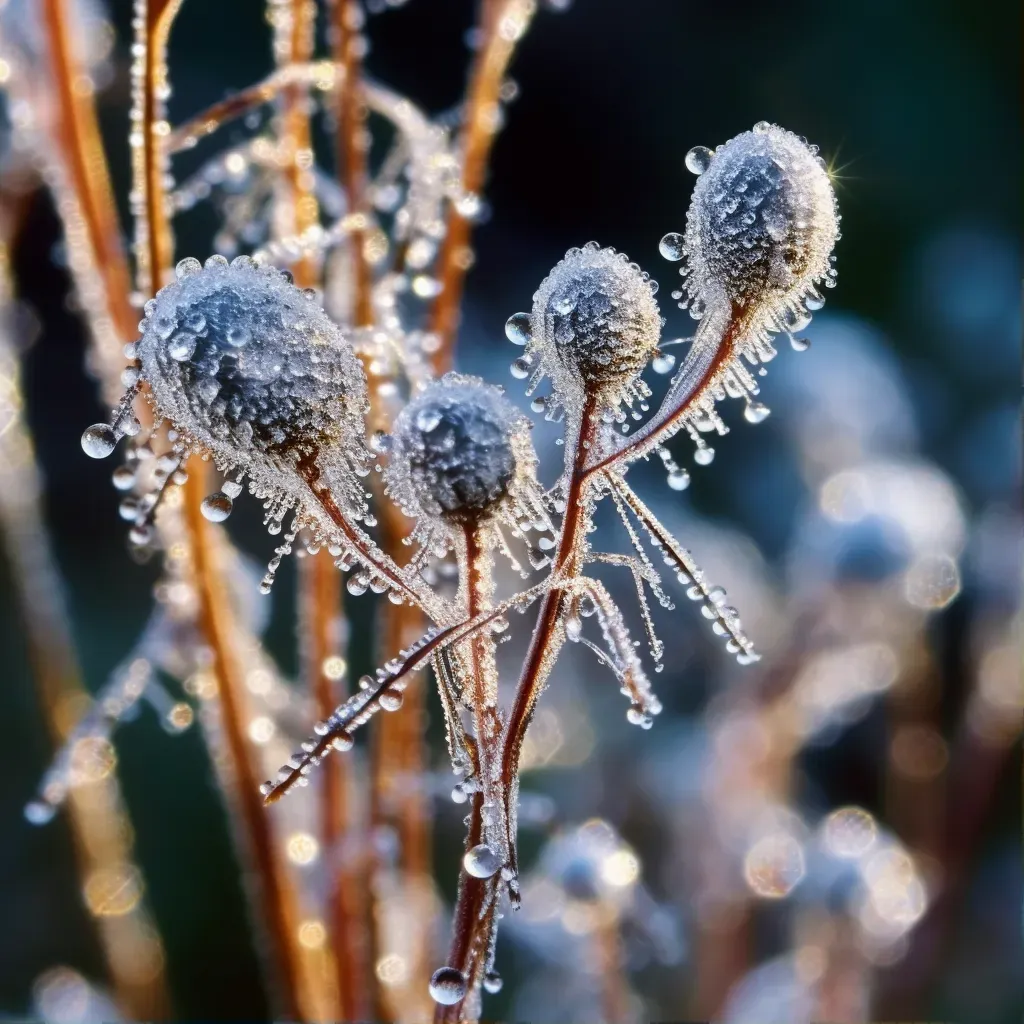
(762,222)
(594,326)
(249,367)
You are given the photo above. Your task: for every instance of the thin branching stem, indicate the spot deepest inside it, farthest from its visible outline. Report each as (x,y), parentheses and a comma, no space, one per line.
(500,26)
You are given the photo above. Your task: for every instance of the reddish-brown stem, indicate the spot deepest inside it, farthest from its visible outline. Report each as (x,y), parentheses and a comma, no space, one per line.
(351,153)
(214,619)
(239,103)
(500,25)
(544,643)
(82,151)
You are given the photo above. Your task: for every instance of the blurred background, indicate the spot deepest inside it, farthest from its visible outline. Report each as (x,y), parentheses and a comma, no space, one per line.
(859,789)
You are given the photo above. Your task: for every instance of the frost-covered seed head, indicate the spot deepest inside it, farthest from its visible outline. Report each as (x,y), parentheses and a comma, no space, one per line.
(595,323)
(247,365)
(762,222)
(456,451)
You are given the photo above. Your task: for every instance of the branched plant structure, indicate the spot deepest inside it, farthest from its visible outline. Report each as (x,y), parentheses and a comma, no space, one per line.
(314,371)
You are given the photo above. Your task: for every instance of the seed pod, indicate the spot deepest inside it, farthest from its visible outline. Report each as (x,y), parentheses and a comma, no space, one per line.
(762,223)
(595,324)
(460,452)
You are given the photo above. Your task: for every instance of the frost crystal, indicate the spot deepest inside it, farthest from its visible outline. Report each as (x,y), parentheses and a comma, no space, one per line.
(762,221)
(594,326)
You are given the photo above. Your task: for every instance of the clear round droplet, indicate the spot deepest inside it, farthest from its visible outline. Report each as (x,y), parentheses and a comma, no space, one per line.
(238,336)
(217,507)
(493,982)
(762,126)
(181,346)
(799,344)
(99,440)
(518,328)
(187,267)
(520,368)
(704,456)
(481,861)
(672,246)
(755,412)
(698,160)
(679,480)
(390,700)
(663,362)
(124,478)
(447,986)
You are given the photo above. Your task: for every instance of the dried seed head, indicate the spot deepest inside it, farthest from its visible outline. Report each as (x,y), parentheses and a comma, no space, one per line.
(457,452)
(594,326)
(762,222)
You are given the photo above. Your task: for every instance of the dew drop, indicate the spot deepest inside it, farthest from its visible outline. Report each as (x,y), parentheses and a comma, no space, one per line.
(663,362)
(390,700)
(679,480)
(481,861)
(447,986)
(698,160)
(704,456)
(762,126)
(238,336)
(187,267)
(518,328)
(216,507)
(520,368)
(493,982)
(99,440)
(755,412)
(124,478)
(181,346)
(38,812)
(672,246)
(799,344)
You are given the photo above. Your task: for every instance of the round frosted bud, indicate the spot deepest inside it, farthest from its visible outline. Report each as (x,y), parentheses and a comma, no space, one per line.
(595,322)
(249,367)
(762,222)
(456,450)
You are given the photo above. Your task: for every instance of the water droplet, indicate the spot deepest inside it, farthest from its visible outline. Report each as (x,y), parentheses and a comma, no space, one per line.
(493,982)
(679,480)
(216,507)
(447,986)
(124,478)
(187,267)
(762,126)
(481,861)
(704,456)
(391,700)
(181,346)
(518,328)
(663,362)
(38,812)
(520,368)
(755,412)
(799,344)
(216,261)
(99,440)
(698,160)
(672,246)
(238,336)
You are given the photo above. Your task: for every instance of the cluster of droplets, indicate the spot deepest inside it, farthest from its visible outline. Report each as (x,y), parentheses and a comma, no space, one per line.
(595,325)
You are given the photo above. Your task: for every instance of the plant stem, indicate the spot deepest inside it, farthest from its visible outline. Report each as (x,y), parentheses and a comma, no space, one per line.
(500,26)
(278,903)
(351,152)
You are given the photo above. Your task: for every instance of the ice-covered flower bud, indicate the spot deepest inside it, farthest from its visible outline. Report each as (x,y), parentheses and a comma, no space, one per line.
(459,453)
(241,360)
(762,222)
(595,324)
(248,368)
